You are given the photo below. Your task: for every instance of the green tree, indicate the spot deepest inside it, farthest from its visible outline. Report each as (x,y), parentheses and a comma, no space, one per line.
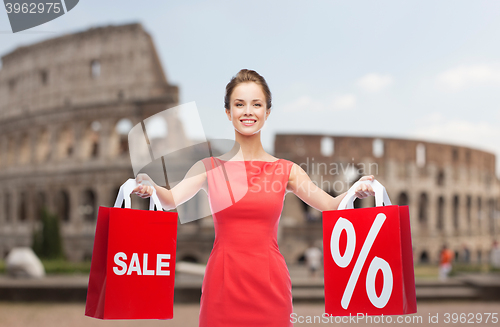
(47,242)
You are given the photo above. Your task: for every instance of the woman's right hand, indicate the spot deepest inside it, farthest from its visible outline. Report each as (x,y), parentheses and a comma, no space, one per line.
(144,190)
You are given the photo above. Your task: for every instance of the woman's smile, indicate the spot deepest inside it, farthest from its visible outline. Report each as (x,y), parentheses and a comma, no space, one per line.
(248,122)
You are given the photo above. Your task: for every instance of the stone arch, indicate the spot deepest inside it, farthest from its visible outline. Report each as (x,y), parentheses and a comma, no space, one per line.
(423,208)
(22,203)
(121,94)
(95,68)
(420,155)
(327,146)
(190,258)
(24,149)
(87,255)
(491,216)
(440,214)
(479,212)
(3,147)
(313,215)
(119,136)
(7,212)
(378,148)
(41,200)
(424,257)
(63,205)
(497,211)
(88,205)
(469,213)
(42,145)
(440,178)
(65,142)
(91,141)
(301,258)
(456,212)
(44,76)
(403,199)
(11,151)
(2,212)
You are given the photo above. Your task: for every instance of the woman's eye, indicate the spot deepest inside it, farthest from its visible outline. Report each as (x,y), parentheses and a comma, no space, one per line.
(257,104)
(238,104)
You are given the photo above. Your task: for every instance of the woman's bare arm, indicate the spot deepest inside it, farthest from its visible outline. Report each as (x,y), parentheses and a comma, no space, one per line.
(194,180)
(301,185)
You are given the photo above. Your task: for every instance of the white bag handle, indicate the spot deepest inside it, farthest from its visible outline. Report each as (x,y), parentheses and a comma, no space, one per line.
(380,195)
(127,188)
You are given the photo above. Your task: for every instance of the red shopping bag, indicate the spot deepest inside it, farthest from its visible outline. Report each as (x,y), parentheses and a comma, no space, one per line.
(368,259)
(133,262)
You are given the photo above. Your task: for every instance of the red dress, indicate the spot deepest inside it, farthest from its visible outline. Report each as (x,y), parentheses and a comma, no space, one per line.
(246,282)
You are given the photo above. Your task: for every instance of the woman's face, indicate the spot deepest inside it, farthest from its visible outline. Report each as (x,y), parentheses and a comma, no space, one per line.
(248,108)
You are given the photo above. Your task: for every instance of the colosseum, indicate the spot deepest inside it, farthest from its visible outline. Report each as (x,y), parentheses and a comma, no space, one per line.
(452,192)
(68,103)
(66,106)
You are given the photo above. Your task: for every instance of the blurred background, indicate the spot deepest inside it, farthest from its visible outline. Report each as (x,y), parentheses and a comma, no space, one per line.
(405,91)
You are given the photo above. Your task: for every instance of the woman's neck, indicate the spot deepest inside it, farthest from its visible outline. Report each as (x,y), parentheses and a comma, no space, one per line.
(248,147)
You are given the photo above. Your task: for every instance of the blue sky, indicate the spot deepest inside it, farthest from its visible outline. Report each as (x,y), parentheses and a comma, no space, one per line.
(411,69)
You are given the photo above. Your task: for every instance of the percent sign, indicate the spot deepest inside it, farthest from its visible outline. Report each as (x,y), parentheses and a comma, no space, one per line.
(376,264)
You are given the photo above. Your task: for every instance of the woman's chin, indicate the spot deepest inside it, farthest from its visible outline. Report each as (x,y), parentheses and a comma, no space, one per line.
(248,132)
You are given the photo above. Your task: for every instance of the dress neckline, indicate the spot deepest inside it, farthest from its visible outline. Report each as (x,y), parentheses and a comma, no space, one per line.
(247,160)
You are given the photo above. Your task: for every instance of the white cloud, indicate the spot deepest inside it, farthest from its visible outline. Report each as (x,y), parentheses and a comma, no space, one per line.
(341,102)
(306,103)
(463,76)
(374,82)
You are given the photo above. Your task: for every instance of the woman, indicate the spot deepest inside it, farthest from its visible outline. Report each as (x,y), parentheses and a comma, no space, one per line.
(246,281)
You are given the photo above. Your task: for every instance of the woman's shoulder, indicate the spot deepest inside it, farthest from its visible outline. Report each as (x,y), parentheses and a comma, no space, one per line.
(288,163)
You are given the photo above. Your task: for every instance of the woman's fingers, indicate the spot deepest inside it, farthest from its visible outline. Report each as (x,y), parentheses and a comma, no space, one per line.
(138,189)
(364,190)
(369,190)
(143,191)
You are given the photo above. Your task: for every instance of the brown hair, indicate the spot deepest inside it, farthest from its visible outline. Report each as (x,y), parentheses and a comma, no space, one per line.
(244,76)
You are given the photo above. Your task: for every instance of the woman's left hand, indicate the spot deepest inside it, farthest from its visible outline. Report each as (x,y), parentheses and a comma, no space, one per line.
(365,190)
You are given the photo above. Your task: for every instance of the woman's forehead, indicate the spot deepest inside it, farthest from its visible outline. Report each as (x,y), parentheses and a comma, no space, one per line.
(246,91)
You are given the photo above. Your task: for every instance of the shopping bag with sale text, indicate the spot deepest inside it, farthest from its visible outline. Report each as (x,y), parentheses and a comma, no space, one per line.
(368,259)
(133,261)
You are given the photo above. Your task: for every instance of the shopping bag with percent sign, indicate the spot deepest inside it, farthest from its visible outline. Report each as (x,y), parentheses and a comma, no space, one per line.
(368,258)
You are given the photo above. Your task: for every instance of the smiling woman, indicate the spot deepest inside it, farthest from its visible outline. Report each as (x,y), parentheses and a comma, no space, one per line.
(248,104)
(246,281)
